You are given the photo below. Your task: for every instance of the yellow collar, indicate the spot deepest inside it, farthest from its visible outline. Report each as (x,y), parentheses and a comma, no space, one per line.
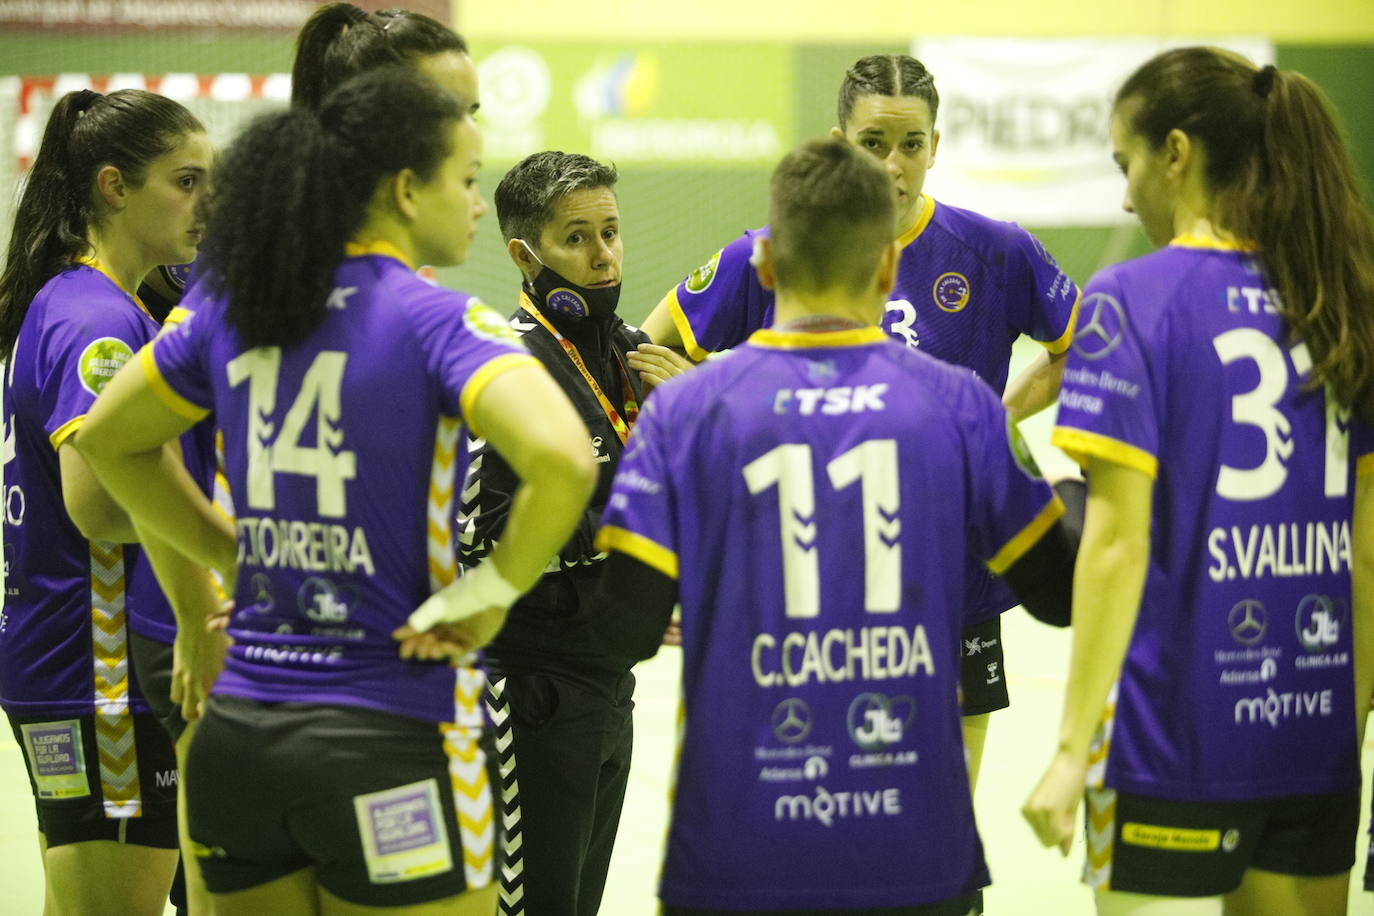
(385,249)
(807,340)
(927,211)
(1212,243)
(96,265)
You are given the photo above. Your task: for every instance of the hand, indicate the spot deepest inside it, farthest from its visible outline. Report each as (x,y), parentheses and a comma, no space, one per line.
(197,659)
(656,364)
(450,640)
(673,635)
(1052,808)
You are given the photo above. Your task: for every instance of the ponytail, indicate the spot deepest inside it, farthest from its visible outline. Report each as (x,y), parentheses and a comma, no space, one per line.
(340,40)
(1316,238)
(295,187)
(1281,175)
(86,131)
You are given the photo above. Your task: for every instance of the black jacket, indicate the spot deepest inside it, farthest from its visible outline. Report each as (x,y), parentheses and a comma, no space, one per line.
(547,628)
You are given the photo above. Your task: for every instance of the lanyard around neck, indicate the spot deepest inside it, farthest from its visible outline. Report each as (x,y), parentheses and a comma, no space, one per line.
(618,423)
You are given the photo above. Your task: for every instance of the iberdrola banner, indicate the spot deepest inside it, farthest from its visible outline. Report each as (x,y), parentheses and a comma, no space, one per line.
(1024,122)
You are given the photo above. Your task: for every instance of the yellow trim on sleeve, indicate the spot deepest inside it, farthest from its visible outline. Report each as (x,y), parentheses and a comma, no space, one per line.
(684,327)
(484,374)
(807,340)
(1080,444)
(65,431)
(176,316)
(1062,342)
(922,221)
(173,401)
(386,249)
(650,553)
(1026,538)
(1364,465)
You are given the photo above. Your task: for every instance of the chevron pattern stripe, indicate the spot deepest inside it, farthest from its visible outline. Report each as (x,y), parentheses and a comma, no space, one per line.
(114,723)
(512,833)
(1102,743)
(467,767)
(1101,815)
(443,565)
(469,508)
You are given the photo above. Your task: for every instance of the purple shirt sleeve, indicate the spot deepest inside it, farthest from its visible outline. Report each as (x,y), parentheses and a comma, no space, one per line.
(1107,402)
(722,302)
(176,365)
(641,518)
(79,356)
(1044,308)
(464,343)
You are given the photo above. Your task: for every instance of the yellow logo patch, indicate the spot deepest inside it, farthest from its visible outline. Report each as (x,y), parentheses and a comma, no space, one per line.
(1177,839)
(951,291)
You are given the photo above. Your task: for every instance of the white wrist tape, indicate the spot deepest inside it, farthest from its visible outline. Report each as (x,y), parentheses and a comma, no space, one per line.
(478,589)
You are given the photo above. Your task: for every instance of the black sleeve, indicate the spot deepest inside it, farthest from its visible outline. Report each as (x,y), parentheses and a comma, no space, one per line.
(633,607)
(1043,577)
(486,496)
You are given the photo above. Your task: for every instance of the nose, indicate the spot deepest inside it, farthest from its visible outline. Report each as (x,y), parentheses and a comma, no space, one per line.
(479,205)
(601,254)
(894,168)
(1126,203)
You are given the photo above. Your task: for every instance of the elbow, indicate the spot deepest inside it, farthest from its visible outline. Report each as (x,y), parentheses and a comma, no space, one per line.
(98,522)
(568,466)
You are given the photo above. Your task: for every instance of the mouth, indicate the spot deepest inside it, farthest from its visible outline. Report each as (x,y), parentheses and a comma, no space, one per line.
(602,283)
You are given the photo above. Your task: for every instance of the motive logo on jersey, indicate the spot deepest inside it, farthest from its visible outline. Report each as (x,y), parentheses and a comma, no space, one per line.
(951,291)
(101,359)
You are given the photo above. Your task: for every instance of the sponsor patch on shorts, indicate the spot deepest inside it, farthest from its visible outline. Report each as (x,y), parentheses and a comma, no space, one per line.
(1176,839)
(56,758)
(403,832)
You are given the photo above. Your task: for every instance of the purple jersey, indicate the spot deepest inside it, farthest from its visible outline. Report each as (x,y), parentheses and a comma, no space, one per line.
(63,636)
(150,614)
(1237,683)
(342,454)
(967,287)
(803,491)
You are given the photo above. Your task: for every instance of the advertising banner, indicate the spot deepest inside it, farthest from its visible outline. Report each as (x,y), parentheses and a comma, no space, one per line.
(1024,122)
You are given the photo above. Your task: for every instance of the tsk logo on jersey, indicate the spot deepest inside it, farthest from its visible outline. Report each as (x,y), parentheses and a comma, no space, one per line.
(951,292)
(830,401)
(700,279)
(1318,623)
(876,721)
(101,359)
(1102,322)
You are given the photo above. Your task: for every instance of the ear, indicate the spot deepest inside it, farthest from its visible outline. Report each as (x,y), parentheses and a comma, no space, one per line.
(763,261)
(886,278)
(1179,152)
(403,186)
(523,259)
(109,182)
(934,147)
(837,133)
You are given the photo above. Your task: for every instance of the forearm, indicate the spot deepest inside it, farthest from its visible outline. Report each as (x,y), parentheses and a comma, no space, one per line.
(164,502)
(1362,600)
(189,588)
(1036,387)
(1109,578)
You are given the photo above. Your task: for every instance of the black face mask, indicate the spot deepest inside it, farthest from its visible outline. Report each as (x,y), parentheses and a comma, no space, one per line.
(557,294)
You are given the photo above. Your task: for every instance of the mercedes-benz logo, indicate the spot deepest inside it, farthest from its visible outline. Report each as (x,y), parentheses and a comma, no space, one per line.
(1248,621)
(1101,333)
(791,720)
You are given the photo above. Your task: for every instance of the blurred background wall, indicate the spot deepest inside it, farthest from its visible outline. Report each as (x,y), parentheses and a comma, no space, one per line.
(696,102)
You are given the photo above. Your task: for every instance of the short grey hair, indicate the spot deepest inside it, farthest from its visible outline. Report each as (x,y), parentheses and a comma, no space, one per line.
(526,195)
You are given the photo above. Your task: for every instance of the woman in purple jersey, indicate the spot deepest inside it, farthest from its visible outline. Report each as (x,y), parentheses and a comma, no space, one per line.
(348,772)
(113,193)
(1243,173)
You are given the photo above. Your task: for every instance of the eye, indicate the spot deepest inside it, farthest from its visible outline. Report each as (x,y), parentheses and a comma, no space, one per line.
(575,239)
(870,143)
(609,234)
(470,183)
(187,182)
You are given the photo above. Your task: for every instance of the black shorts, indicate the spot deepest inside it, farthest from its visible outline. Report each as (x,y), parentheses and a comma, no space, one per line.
(955,906)
(1202,849)
(981,676)
(364,797)
(152,661)
(85,789)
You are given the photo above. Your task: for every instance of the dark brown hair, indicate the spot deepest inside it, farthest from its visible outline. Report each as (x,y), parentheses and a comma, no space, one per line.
(886,74)
(86,131)
(831,211)
(1280,170)
(340,40)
